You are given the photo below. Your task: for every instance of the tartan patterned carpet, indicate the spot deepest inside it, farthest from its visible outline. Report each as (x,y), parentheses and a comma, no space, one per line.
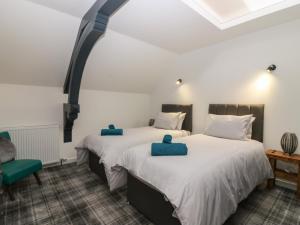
(72,195)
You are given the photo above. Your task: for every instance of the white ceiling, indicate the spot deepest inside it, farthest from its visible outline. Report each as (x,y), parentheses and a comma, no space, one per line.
(140,47)
(35,51)
(170,24)
(75,8)
(36,44)
(121,63)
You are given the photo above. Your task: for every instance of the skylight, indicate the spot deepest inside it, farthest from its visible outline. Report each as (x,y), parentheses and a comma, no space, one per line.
(228,13)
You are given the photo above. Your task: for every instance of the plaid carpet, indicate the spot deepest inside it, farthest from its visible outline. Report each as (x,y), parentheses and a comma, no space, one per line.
(73,195)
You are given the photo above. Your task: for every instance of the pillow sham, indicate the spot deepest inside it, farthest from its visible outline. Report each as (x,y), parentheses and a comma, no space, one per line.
(228,126)
(249,129)
(180,121)
(167,121)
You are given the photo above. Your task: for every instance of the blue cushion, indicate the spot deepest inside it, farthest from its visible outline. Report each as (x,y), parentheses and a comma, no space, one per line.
(111,126)
(167,139)
(111,132)
(161,149)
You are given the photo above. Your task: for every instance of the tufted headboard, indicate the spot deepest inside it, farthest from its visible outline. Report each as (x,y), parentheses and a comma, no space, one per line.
(240,110)
(188,109)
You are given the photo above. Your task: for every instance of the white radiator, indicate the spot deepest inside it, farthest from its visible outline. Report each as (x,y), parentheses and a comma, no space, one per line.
(36,142)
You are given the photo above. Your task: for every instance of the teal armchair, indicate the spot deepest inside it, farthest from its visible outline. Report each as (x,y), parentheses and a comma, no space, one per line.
(16,170)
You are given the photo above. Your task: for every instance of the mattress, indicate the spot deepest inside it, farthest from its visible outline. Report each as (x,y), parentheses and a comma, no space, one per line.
(111,148)
(205,186)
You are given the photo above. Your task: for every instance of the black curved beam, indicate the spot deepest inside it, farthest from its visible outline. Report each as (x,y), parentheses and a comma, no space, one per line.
(92,27)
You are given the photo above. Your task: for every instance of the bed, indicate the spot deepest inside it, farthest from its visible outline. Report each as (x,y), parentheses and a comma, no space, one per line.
(102,153)
(217,172)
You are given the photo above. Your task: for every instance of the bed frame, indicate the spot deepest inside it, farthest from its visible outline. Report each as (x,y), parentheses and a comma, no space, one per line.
(187,125)
(151,203)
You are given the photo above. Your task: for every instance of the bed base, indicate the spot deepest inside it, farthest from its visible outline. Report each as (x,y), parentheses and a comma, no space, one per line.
(150,203)
(96,167)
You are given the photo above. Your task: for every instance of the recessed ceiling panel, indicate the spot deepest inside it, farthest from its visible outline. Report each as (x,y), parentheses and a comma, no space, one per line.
(228,13)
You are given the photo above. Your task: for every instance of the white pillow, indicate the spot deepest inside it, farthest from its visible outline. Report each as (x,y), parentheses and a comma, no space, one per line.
(167,121)
(228,126)
(249,129)
(180,121)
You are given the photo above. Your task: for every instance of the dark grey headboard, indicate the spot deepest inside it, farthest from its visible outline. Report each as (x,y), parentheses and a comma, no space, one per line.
(240,110)
(188,109)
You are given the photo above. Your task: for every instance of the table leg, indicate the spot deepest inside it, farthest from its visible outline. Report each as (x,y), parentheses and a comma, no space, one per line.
(271,182)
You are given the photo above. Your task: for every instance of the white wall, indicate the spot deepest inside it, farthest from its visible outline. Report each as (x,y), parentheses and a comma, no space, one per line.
(230,72)
(33,105)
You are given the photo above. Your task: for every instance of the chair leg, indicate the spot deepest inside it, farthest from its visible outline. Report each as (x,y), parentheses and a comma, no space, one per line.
(9,192)
(37,178)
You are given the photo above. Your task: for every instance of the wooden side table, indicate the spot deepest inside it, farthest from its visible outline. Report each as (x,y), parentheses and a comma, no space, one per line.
(273,156)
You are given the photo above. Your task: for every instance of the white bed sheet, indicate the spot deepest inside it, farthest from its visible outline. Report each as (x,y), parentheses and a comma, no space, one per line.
(110,149)
(205,186)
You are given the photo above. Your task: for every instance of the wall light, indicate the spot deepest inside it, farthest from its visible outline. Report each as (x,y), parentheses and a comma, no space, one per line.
(179,82)
(272,68)
(264,81)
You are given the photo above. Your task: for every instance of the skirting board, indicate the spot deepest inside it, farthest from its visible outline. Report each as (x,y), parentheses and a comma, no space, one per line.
(65,161)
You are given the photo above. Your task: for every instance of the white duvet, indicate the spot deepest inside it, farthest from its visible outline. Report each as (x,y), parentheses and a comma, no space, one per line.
(205,186)
(110,149)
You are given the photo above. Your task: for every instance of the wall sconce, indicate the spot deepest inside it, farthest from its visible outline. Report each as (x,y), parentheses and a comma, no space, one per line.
(179,82)
(272,68)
